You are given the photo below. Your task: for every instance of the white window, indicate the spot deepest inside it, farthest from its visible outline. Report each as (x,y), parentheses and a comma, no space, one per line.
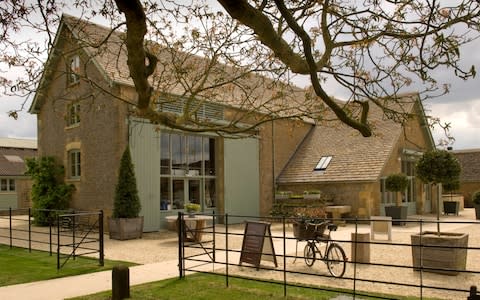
(73,70)
(187,164)
(73,114)
(323,163)
(7,185)
(74,164)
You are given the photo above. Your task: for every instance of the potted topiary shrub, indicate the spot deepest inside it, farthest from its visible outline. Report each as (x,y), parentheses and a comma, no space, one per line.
(125,222)
(476,203)
(429,248)
(397,183)
(450,206)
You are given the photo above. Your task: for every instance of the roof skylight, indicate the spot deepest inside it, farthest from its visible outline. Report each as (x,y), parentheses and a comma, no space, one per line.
(14,158)
(323,163)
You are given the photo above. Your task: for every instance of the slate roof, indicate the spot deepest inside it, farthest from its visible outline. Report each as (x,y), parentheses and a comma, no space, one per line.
(470,161)
(12,156)
(354,157)
(111,60)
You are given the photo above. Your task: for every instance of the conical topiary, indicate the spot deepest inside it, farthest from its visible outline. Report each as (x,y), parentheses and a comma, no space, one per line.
(126,203)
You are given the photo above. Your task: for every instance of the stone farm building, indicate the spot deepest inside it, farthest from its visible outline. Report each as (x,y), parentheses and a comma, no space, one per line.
(470,176)
(88,129)
(15,186)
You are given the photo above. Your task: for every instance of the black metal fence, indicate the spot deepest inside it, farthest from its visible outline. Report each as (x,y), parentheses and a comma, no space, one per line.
(69,234)
(384,267)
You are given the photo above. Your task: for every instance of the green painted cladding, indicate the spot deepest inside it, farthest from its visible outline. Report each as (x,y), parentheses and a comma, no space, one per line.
(240,181)
(8,200)
(241,163)
(144,144)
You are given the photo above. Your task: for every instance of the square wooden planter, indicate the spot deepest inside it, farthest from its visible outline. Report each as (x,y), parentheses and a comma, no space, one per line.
(477,211)
(125,228)
(451,207)
(398,214)
(445,253)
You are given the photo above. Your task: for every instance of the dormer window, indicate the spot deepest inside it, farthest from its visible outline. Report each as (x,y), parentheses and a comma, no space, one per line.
(73,70)
(323,163)
(73,115)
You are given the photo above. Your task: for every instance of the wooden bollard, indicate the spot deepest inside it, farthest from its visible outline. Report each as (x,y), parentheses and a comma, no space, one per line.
(473,293)
(120,283)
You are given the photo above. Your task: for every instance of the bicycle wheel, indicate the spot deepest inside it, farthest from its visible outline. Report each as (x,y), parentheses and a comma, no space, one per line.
(309,253)
(336,260)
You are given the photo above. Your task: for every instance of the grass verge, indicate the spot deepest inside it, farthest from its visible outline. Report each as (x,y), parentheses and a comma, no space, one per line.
(21,266)
(213,287)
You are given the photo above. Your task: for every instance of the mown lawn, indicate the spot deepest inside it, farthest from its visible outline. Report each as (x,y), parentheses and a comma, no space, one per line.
(213,287)
(20,266)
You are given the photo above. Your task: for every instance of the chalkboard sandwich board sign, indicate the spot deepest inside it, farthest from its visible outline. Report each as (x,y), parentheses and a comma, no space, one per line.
(257,244)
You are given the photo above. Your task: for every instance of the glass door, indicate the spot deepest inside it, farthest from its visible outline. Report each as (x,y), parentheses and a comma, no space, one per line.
(194,193)
(178,193)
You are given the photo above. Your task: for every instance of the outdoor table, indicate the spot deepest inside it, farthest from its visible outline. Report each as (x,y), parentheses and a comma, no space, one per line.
(193,226)
(337,211)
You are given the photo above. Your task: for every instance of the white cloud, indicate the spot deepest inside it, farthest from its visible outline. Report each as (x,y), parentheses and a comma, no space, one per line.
(26,124)
(464,117)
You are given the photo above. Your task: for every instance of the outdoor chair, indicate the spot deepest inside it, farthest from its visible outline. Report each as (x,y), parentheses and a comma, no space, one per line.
(381,225)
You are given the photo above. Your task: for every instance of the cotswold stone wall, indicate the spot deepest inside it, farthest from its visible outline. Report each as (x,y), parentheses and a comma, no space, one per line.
(101,135)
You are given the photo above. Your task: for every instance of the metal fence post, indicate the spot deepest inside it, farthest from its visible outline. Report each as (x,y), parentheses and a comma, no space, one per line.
(356,259)
(180,229)
(58,242)
(50,238)
(421,259)
(226,249)
(284,259)
(73,235)
(10,229)
(214,235)
(101,244)
(29,230)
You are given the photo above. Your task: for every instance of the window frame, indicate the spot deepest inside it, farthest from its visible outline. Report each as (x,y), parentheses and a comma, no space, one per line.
(73,114)
(6,185)
(73,70)
(185,158)
(74,164)
(323,163)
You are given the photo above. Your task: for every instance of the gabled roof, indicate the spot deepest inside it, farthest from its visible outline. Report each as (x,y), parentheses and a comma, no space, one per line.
(470,161)
(354,157)
(107,51)
(13,153)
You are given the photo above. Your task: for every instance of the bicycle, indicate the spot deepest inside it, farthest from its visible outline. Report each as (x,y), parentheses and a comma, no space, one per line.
(333,256)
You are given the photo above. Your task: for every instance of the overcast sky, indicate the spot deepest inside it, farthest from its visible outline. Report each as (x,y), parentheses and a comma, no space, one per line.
(461,108)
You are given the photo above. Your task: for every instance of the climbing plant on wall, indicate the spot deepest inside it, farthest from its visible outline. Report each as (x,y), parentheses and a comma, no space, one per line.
(49,192)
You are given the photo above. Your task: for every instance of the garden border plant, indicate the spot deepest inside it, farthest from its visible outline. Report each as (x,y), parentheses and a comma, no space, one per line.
(49,192)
